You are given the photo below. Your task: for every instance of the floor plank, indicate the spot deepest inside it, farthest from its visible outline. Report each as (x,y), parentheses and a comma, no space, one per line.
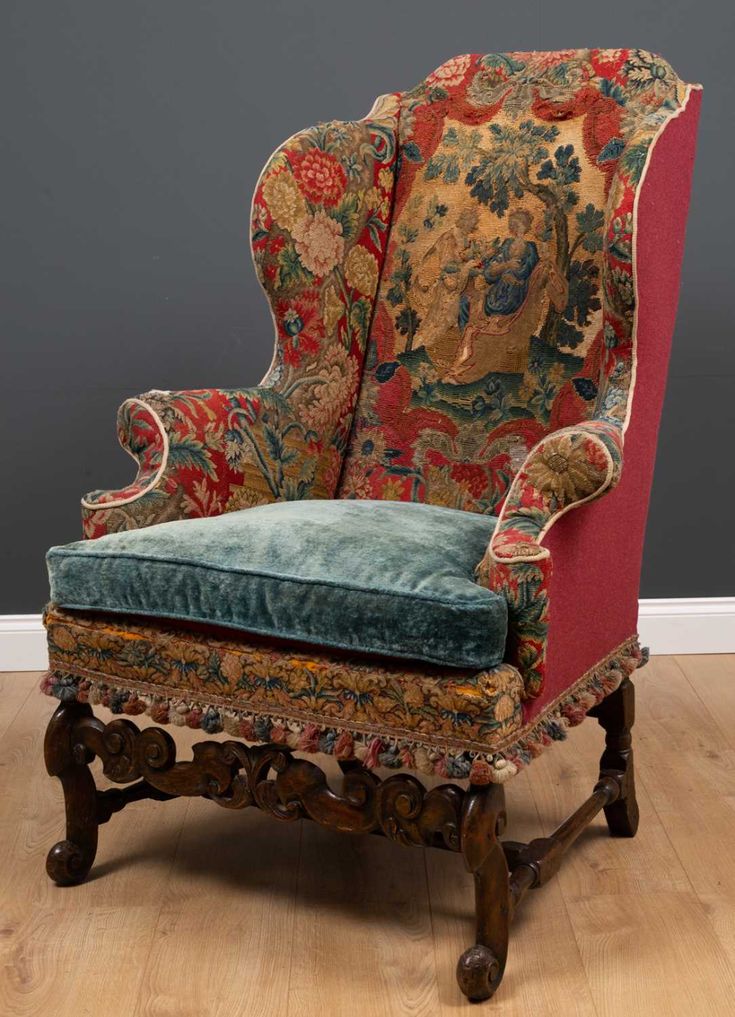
(687,764)
(15,688)
(363,939)
(652,953)
(222,943)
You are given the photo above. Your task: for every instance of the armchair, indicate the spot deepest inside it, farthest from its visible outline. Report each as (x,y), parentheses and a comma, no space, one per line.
(474,292)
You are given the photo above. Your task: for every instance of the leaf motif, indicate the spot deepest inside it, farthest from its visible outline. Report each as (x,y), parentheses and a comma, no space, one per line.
(347,213)
(191,453)
(412,152)
(290,270)
(611,151)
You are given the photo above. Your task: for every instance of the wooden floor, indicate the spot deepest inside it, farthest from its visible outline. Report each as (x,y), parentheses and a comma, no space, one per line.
(198,912)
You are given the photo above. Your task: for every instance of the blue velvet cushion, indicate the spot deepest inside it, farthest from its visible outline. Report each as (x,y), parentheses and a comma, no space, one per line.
(383,577)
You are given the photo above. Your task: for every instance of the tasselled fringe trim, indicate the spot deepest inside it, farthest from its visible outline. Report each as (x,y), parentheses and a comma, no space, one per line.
(371,749)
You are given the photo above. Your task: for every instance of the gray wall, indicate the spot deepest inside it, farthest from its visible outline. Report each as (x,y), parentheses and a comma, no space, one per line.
(135,132)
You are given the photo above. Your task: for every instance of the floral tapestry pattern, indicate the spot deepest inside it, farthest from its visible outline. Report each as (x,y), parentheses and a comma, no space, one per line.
(447,723)
(319,226)
(263,692)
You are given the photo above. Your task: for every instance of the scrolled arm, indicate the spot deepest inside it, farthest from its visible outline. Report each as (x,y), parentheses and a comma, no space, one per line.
(566,469)
(209,451)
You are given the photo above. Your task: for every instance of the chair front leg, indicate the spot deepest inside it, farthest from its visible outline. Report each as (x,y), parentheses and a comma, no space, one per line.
(480,968)
(70,860)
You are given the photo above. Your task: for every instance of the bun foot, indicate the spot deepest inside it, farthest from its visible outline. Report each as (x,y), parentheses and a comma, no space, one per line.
(478,973)
(68,864)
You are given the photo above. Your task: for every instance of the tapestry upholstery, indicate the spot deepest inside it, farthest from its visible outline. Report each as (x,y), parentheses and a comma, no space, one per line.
(451,723)
(505,309)
(384,577)
(319,225)
(523,311)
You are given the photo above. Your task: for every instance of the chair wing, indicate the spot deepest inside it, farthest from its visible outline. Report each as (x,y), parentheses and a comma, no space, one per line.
(319,223)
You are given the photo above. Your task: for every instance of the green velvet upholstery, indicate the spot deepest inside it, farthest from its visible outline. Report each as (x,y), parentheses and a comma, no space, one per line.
(394,578)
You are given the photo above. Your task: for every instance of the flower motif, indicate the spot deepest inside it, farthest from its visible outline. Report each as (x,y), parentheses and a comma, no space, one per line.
(300,327)
(333,309)
(648,72)
(62,638)
(370,450)
(567,469)
(284,200)
(505,707)
(451,73)
(320,177)
(471,476)
(361,270)
(394,489)
(356,483)
(622,282)
(231,666)
(259,219)
(385,180)
(326,402)
(319,242)
(527,389)
(441,489)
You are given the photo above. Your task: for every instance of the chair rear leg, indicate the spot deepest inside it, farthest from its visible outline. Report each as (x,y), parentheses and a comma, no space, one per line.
(616,714)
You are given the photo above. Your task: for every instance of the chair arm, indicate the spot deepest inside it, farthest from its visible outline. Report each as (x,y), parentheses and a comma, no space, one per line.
(566,469)
(208,451)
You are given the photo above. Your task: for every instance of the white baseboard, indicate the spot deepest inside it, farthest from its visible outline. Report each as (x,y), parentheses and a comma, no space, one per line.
(22,643)
(688,625)
(673,625)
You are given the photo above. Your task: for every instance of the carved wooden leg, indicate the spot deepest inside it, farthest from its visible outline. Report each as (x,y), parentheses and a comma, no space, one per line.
(480,968)
(70,860)
(616,714)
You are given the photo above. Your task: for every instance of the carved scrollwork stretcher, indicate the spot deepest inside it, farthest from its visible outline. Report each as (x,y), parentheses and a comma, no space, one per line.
(237,776)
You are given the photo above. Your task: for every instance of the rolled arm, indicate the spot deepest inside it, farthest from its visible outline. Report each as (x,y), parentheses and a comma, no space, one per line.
(204,452)
(566,469)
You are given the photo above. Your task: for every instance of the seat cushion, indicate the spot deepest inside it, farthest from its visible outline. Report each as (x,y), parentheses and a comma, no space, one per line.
(393,578)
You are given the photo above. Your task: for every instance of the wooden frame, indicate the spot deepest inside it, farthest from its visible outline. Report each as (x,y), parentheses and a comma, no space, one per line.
(469,821)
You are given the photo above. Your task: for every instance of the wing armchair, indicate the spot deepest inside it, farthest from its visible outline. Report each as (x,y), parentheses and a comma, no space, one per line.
(371,554)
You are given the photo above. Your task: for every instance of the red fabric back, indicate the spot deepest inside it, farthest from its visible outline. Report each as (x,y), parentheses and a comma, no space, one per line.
(597,550)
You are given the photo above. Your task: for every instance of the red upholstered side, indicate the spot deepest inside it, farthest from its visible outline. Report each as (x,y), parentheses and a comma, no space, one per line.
(597,549)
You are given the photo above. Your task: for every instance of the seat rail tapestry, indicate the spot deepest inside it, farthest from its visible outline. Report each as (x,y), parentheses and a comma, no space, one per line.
(384,713)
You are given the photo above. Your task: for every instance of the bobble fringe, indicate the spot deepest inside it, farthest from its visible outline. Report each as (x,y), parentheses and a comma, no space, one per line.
(372,750)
